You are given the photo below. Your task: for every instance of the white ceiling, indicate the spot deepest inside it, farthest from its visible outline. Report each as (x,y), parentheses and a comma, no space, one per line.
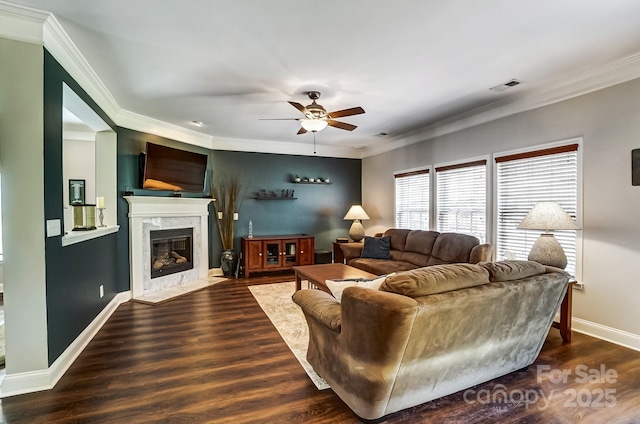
(409,63)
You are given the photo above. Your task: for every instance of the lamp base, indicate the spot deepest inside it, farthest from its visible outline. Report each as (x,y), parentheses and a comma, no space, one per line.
(356,232)
(547,251)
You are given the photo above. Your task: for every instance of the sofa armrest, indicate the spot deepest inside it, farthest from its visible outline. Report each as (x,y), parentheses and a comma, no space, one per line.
(481,253)
(319,306)
(351,250)
(376,324)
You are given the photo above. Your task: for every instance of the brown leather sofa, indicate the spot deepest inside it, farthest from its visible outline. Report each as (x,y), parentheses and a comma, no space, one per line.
(430,332)
(410,249)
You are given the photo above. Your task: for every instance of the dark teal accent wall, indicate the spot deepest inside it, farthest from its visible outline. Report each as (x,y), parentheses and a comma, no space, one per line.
(130,144)
(73,273)
(318,209)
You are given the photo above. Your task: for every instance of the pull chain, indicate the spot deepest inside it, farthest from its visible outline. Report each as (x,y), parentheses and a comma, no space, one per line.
(314,142)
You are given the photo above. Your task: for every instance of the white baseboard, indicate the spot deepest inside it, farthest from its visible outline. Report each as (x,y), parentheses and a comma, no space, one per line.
(609,334)
(602,332)
(34,381)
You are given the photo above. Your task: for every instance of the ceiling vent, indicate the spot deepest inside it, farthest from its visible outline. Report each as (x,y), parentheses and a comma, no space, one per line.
(501,87)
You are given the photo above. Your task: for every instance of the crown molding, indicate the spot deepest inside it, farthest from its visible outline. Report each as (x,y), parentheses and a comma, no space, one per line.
(64,50)
(39,27)
(618,72)
(285,148)
(21,23)
(137,122)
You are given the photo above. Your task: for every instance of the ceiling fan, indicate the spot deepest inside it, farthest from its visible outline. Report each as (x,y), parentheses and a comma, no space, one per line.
(317,118)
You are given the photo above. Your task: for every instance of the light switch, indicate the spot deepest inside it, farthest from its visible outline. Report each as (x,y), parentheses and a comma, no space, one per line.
(53,227)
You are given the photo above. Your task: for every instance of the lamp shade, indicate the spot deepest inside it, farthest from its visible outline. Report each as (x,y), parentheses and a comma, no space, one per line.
(313,125)
(548,216)
(356,212)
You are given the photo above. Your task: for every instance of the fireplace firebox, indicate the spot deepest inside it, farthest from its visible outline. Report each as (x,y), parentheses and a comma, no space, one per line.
(171,251)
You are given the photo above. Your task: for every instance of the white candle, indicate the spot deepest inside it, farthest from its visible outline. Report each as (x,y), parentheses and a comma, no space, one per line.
(100,202)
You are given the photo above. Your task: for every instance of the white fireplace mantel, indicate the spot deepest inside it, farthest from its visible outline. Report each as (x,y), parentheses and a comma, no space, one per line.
(148,213)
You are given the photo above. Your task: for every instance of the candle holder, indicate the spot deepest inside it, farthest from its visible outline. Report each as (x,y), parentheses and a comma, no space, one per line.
(101,217)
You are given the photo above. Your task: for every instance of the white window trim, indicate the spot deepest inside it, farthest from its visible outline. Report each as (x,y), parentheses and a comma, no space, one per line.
(430,170)
(489,230)
(579,212)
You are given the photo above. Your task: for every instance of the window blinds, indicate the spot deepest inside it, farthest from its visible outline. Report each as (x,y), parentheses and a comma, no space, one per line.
(412,200)
(462,198)
(523,180)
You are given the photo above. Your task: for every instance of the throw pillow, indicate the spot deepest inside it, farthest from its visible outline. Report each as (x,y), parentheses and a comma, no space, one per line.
(338,286)
(376,247)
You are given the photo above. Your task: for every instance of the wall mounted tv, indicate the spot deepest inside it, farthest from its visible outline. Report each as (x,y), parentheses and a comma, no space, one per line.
(166,168)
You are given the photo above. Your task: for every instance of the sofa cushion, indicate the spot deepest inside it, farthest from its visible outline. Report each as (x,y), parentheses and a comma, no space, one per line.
(398,238)
(417,249)
(380,266)
(436,279)
(421,241)
(337,286)
(512,270)
(452,248)
(376,247)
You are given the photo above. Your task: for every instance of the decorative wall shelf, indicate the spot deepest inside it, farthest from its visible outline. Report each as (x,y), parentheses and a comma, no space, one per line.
(314,183)
(279,194)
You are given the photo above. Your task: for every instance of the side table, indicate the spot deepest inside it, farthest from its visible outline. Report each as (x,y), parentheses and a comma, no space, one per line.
(565,314)
(338,256)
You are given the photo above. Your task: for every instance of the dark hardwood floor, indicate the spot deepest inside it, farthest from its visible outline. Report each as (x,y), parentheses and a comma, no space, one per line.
(213,356)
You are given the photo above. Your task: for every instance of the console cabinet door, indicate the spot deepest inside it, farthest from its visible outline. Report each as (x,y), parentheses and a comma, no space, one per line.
(289,253)
(306,251)
(254,255)
(272,254)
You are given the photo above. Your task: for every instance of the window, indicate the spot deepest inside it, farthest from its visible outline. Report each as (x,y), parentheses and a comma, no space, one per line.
(462,198)
(412,200)
(526,178)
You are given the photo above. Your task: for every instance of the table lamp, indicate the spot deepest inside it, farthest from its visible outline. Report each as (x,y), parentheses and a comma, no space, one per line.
(356,232)
(547,217)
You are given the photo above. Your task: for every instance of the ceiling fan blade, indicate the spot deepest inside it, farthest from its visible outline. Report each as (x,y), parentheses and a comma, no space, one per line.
(342,125)
(279,119)
(346,112)
(301,108)
(301,131)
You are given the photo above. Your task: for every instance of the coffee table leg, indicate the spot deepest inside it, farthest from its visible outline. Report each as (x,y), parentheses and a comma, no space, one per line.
(298,282)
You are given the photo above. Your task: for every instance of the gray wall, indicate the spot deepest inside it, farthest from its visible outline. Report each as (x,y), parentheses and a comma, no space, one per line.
(23,219)
(609,122)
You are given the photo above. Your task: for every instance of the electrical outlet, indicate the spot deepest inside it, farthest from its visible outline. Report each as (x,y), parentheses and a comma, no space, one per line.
(101,290)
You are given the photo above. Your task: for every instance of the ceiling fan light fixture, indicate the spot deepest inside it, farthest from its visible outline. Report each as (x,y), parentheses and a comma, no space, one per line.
(313,125)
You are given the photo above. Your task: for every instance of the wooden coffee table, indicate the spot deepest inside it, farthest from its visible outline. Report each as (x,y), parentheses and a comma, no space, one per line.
(317,274)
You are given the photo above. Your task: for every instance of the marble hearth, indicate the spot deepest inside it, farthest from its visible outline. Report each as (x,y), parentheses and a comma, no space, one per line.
(148,214)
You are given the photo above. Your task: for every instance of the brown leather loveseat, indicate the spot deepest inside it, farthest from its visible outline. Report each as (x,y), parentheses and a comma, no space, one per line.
(411,249)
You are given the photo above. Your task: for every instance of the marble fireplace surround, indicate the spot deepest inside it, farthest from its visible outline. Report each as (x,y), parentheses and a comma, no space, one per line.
(148,214)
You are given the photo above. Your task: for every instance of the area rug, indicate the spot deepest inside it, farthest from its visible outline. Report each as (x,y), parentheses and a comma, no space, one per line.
(275,300)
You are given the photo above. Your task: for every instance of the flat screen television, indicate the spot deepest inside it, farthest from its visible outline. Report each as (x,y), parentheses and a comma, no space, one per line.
(166,168)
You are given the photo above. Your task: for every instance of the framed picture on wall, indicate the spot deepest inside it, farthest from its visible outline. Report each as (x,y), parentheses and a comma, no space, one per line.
(76,192)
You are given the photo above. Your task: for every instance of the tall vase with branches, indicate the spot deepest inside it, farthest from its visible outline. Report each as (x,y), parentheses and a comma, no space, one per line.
(226,193)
